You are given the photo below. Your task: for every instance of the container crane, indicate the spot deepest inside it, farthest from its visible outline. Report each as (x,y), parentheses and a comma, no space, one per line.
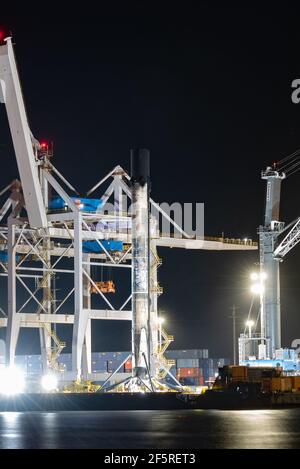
(32,192)
(272,251)
(68,227)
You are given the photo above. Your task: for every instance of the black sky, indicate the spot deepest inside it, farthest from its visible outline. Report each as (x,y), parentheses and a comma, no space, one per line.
(208,91)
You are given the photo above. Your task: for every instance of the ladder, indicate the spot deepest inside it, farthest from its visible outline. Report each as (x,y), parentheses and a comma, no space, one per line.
(164,364)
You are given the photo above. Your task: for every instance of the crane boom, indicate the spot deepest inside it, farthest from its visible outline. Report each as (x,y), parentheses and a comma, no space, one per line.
(289,242)
(11,96)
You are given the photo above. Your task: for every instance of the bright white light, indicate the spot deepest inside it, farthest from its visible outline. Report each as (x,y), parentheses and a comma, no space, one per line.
(11,381)
(263,275)
(257,288)
(49,382)
(249,323)
(81,205)
(254,276)
(160,320)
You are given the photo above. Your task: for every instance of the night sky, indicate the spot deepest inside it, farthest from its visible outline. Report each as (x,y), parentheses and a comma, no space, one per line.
(208,91)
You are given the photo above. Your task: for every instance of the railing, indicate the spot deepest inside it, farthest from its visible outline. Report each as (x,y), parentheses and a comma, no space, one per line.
(165,363)
(157,289)
(243,242)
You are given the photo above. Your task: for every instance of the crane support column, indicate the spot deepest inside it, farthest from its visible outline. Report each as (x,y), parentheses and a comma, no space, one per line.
(268,234)
(270,307)
(140,179)
(45,337)
(80,319)
(87,346)
(154,292)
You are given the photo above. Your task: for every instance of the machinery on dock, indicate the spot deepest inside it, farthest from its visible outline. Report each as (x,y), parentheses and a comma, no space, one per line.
(257,380)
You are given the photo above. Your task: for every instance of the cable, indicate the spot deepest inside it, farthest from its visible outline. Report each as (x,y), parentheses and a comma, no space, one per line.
(289,171)
(249,313)
(290,174)
(289,163)
(257,318)
(288,157)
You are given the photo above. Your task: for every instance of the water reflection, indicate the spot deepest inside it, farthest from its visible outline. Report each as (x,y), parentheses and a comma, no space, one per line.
(151,429)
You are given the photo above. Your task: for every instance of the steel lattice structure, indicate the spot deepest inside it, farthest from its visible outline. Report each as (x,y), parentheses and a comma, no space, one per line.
(37,242)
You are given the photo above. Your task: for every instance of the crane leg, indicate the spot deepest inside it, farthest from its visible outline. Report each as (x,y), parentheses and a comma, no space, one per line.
(13,323)
(80,319)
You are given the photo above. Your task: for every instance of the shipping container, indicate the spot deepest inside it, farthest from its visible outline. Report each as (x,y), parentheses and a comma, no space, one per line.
(21,360)
(239,371)
(187,363)
(103,362)
(266,385)
(33,368)
(286,384)
(219,362)
(296,382)
(99,365)
(256,374)
(211,379)
(186,372)
(109,366)
(183,354)
(128,365)
(192,381)
(285,354)
(189,381)
(281,384)
(34,359)
(65,358)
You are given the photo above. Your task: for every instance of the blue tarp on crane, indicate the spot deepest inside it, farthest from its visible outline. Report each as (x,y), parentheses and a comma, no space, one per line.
(85,205)
(4,257)
(109,245)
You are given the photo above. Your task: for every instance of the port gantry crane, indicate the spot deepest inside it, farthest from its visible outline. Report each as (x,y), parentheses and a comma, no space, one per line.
(273,248)
(43,233)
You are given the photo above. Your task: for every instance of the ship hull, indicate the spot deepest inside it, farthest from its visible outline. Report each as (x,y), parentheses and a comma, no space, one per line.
(47,402)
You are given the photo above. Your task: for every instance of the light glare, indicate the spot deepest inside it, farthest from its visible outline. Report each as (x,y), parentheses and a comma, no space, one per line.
(249,323)
(11,381)
(49,382)
(257,288)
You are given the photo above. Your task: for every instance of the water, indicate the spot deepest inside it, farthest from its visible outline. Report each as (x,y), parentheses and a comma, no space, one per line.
(151,429)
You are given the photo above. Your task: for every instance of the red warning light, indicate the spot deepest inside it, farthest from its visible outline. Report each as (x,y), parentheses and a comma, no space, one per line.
(44,145)
(4,33)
